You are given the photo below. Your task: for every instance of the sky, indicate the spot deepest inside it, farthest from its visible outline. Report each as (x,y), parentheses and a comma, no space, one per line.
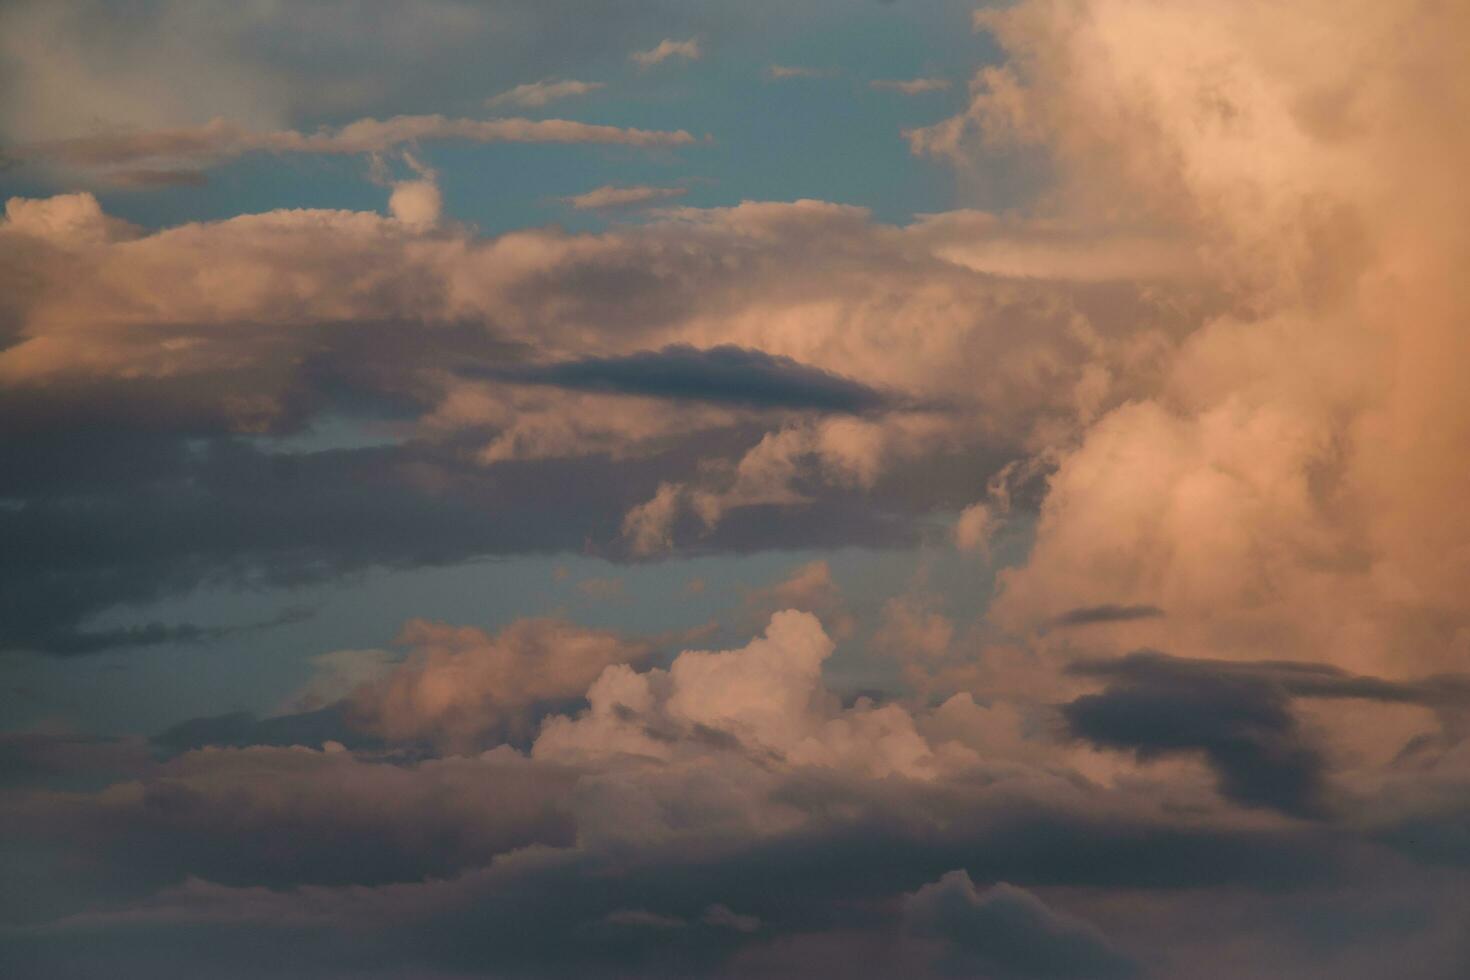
(836,488)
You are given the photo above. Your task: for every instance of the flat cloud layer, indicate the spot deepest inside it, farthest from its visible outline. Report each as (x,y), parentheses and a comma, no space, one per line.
(1173,680)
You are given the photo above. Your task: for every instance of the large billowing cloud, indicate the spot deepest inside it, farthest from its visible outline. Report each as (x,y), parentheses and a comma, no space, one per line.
(1294,479)
(1177,684)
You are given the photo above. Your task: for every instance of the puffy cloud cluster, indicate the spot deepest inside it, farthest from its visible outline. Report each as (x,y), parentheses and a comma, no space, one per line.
(460,687)
(737,819)
(767,698)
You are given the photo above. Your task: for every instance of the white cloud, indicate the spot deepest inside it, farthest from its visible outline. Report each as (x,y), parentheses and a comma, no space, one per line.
(786,72)
(767,698)
(536,94)
(416,203)
(686,50)
(911,86)
(608,197)
(461,687)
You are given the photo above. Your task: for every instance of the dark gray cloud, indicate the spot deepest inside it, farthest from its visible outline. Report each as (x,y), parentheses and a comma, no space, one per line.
(161,514)
(1010,932)
(1238,715)
(1243,726)
(722,375)
(44,758)
(65,641)
(1088,615)
(279,817)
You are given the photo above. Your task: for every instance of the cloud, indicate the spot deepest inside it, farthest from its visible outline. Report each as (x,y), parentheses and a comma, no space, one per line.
(69,642)
(280,816)
(73,219)
(724,374)
(221,140)
(38,758)
(773,309)
(79,65)
(911,86)
(781,73)
(912,628)
(1221,349)
(1274,446)
(1090,615)
(1243,727)
(975,527)
(765,698)
(642,919)
(722,916)
(416,203)
(1238,715)
(313,727)
(686,50)
(535,94)
(731,780)
(1010,931)
(609,197)
(461,688)
(648,527)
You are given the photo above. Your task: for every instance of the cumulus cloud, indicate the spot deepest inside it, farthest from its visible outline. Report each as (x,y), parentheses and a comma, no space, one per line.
(416,203)
(536,94)
(766,698)
(1010,931)
(729,799)
(912,628)
(684,50)
(975,527)
(1274,448)
(461,687)
(1221,350)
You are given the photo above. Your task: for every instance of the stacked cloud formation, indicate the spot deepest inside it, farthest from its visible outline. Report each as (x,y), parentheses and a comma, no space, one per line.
(1190,422)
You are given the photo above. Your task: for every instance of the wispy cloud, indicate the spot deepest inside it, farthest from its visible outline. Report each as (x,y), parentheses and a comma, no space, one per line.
(785,72)
(688,50)
(221,140)
(910,86)
(535,94)
(608,197)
